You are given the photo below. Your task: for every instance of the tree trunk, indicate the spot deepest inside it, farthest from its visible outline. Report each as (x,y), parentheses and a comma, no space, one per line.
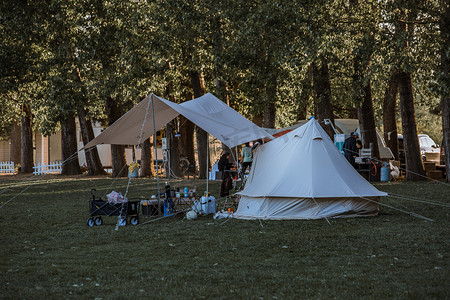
(305,95)
(362,91)
(404,31)
(26,142)
(202,136)
(202,144)
(389,119)
(270,110)
(186,141)
(174,157)
(172,142)
(147,165)
(14,148)
(221,88)
(445,96)
(302,110)
(322,95)
(258,119)
(118,161)
(93,162)
(414,166)
(217,37)
(353,113)
(69,149)
(367,122)
(269,115)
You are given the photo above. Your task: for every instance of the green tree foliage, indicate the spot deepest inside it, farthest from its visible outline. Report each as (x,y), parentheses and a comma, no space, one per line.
(19,55)
(104,56)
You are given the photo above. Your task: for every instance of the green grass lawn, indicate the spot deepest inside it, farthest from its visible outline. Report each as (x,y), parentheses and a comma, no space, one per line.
(48,251)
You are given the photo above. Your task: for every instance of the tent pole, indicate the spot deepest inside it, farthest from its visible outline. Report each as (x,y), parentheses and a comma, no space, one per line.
(207,165)
(234,157)
(156,154)
(237,160)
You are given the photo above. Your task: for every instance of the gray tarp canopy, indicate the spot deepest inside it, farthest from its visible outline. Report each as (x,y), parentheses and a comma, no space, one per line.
(207,112)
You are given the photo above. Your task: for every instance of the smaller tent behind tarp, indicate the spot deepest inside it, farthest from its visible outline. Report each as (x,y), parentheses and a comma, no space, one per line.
(345,126)
(302,175)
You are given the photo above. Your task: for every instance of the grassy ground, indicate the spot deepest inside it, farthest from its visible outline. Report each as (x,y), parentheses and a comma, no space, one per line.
(49,252)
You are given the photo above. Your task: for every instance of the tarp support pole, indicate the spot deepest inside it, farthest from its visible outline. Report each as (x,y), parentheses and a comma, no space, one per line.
(156,155)
(237,160)
(207,165)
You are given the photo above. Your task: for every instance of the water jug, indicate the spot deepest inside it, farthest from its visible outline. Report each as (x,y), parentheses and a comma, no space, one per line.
(385,174)
(204,202)
(211,205)
(168,208)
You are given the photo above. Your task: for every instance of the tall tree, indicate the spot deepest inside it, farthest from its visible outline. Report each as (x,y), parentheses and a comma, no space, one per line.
(15,140)
(147,165)
(93,161)
(389,114)
(174,157)
(186,144)
(27,141)
(202,136)
(118,161)
(259,54)
(322,92)
(445,89)
(414,166)
(217,37)
(183,43)
(172,142)
(119,60)
(362,88)
(20,28)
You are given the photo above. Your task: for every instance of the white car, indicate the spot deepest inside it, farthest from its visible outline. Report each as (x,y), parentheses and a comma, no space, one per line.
(429,150)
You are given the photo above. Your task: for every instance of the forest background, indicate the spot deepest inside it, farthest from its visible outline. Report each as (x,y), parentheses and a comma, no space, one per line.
(275,62)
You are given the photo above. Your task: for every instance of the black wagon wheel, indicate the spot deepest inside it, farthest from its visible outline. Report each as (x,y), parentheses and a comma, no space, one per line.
(98,221)
(90,222)
(134,220)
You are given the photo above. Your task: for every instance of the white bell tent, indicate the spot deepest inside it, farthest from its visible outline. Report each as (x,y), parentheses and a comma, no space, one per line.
(302,175)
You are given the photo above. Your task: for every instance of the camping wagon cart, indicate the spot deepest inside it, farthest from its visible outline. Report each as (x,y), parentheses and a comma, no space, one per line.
(98,208)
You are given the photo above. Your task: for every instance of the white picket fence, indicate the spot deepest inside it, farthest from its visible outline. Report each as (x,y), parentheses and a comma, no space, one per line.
(6,167)
(51,168)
